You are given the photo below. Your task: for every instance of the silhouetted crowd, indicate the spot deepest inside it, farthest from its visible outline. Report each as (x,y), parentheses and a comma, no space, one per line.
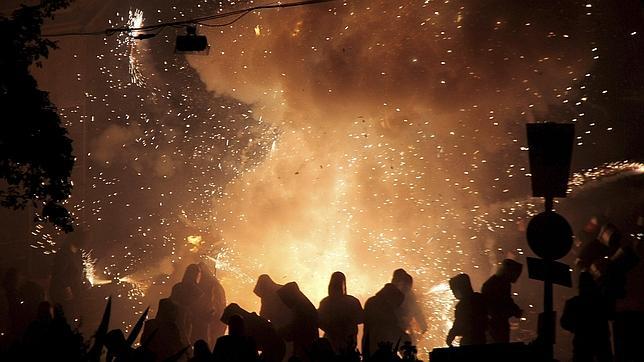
(190,324)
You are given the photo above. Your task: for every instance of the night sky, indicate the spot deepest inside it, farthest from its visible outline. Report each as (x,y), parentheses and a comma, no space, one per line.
(359,136)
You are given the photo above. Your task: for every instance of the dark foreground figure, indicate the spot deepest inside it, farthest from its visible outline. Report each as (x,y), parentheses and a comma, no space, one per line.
(260,330)
(381,323)
(470,316)
(497,292)
(302,330)
(339,316)
(236,346)
(586,316)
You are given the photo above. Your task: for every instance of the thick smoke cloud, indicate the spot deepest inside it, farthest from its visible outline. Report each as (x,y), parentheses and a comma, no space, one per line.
(334,63)
(393,119)
(359,136)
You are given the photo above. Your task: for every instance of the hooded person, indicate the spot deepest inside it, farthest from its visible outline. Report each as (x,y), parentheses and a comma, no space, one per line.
(162,335)
(586,316)
(201,352)
(381,323)
(339,315)
(470,314)
(302,330)
(272,308)
(67,276)
(261,330)
(190,301)
(37,341)
(410,311)
(497,292)
(207,324)
(236,346)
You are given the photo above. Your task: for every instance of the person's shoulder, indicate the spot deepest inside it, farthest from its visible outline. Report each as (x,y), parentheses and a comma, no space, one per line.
(477,295)
(574,301)
(477,299)
(369,303)
(353,300)
(178,285)
(490,282)
(223,340)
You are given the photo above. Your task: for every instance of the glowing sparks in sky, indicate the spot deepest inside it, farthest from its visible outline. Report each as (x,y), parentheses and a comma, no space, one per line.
(135,20)
(353,136)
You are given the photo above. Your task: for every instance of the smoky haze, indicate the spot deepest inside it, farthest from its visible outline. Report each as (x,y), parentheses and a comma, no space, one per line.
(359,136)
(393,120)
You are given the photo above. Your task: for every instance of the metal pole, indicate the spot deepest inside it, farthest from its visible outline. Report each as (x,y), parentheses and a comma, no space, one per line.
(549,203)
(548,316)
(548,333)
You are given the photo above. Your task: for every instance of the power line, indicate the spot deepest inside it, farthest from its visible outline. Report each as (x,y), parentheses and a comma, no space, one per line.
(194,21)
(224,24)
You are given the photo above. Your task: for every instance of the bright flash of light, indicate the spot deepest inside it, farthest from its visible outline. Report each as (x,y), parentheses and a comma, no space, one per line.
(135,20)
(194,242)
(442,307)
(89,267)
(355,207)
(138,288)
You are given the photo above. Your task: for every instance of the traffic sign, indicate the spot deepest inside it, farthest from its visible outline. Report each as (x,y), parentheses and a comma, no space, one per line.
(549,235)
(550,146)
(558,273)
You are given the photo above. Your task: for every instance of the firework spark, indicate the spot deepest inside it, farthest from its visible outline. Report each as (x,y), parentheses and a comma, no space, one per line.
(135,20)
(343,137)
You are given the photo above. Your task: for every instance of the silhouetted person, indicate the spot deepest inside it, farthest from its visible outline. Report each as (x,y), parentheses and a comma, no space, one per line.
(339,315)
(207,324)
(63,343)
(37,340)
(628,324)
(272,307)
(31,294)
(261,330)
(67,276)
(236,346)
(190,300)
(50,338)
(586,316)
(381,323)
(497,292)
(470,315)
(302,330)
(10,284)
(201,352)
(23,298)
(410,310)
(322,351)
(385,352)
(162,335)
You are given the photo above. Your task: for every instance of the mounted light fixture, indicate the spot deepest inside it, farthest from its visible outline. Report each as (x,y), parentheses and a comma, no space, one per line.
(191,43)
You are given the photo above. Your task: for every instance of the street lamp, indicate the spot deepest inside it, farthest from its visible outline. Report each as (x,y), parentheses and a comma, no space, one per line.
(192,43)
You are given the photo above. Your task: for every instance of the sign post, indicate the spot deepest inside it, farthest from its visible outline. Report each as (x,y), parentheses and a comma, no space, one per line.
(549,234)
